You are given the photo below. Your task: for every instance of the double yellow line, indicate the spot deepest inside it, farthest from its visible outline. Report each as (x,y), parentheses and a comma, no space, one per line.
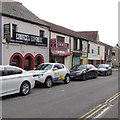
(113,97)
(99,107)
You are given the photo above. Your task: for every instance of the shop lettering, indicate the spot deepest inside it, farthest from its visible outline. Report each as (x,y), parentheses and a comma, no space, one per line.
(22,37)
(29,39)
(60,52)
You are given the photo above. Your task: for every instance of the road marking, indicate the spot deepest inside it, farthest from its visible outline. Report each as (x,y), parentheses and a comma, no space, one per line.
(90,111)
(97,111)
(102,107)
(113,97)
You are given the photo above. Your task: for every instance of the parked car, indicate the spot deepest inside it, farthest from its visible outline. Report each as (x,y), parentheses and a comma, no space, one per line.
(15,80)
(83,72)
(104,69)
(49,73)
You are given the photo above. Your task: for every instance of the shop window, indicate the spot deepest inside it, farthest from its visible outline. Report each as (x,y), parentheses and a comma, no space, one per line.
(90,62)
(17,60)
(42,33)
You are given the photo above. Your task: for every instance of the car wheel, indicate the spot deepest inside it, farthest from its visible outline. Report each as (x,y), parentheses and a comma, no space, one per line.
(111,73)
(25,88)
(95,76)
(106,74)
(67,79)
(48,82)
(83,77)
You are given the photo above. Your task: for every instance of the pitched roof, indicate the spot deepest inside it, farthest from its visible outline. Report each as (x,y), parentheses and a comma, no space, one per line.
(105,44)
(17,10)
(62,30)
(89,35)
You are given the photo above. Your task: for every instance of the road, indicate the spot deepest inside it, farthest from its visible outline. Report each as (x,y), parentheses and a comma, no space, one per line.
(61,100)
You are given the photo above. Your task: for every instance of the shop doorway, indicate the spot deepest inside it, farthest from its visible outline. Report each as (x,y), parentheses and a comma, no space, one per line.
(38,59)
(28,62)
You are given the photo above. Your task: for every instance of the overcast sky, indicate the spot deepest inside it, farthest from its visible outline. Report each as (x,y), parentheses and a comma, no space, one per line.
(80,15)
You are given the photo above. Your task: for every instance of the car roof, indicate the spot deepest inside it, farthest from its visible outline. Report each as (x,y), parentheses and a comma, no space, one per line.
(10,66)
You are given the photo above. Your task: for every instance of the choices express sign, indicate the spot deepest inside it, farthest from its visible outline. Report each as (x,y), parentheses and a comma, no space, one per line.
(28,39)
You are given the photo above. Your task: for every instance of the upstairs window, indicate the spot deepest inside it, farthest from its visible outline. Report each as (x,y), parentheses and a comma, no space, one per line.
(98,50)
(14,30)
(113,53)
(108,52)
(42,33)
(81,45)
(60,39)
(88,48)
(75,44)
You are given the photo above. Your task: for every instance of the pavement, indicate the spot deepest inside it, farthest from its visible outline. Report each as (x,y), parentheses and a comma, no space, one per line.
(113,111)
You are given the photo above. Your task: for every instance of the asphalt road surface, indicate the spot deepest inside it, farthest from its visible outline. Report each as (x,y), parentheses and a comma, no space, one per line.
(61,100)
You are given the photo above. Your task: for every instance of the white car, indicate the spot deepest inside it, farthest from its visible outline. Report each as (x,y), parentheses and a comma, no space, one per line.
(15,80)
(49,73)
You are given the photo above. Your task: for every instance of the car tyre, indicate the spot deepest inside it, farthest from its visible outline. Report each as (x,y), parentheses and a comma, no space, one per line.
(106,74)
(111,73)
(83,77)
(48,82)
(25,88)
(67,79)
(95,76)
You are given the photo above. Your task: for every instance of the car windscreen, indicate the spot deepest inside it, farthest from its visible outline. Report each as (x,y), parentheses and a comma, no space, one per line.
(44,67)
(103,66)
(78,67)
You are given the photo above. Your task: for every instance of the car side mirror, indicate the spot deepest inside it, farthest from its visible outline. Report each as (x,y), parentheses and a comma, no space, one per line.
(87,69)
(54,69)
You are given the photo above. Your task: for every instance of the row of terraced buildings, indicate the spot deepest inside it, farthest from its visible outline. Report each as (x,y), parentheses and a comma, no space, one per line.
(27,41)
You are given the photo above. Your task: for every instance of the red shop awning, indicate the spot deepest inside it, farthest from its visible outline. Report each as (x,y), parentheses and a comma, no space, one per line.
(60,52)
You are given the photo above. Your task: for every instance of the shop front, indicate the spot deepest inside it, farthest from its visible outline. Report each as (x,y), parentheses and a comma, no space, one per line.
(58,51)
(25,51)
(76,58)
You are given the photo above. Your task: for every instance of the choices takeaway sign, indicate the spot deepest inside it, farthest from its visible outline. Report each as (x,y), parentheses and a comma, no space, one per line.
(23,38)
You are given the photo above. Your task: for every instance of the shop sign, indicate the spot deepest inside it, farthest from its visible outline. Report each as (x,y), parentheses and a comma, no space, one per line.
(84,54)
(28,39)
(62,45)
(53,43)
(7,31)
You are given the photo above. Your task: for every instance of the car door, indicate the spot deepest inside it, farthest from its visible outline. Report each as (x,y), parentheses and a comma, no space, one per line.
(3,82)
(57,72)
(13,79)
(89,71)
